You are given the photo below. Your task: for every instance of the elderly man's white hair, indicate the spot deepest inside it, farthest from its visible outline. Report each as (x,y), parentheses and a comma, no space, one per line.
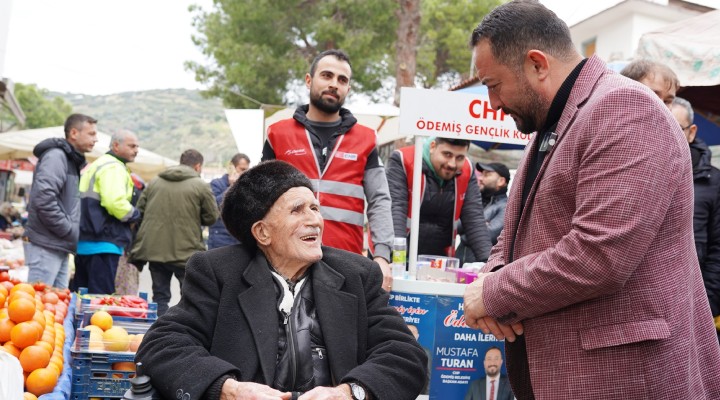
(119,136)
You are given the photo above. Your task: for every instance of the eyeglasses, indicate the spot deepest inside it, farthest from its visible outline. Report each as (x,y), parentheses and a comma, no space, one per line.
(687,127)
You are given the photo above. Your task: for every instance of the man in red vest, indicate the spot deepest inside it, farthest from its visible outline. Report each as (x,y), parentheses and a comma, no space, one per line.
(448,194)
(325,142)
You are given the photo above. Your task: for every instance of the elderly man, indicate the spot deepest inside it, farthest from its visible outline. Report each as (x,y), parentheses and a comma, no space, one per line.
(106,191)
(279,313)
(596,262)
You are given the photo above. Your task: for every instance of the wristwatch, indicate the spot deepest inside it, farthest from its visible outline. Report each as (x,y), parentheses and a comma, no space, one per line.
(357,391)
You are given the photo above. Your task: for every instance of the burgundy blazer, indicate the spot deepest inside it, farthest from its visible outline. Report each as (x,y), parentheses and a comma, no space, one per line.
(605,278)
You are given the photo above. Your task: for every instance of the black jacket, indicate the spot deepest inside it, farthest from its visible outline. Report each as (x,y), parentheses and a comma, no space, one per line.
(226,323)
(54,206)
(706,220)
(436,211)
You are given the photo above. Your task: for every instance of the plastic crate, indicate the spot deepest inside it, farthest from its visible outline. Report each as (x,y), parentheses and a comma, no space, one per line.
(92,373)
(102,383)
(84,305)
(134,324)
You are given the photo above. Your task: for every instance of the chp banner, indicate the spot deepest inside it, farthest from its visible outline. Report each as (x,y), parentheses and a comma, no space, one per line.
(456,115)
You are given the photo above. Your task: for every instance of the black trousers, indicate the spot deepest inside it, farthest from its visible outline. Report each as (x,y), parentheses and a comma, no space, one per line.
(96,272)
(162,274)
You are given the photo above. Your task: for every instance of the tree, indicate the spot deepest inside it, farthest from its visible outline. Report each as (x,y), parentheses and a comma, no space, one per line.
(40,112)
(260,50)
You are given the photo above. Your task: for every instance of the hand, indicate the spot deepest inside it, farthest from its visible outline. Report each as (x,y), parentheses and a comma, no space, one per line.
(500,331)
(387,273)
(476,315)
(474,305)
(341,392)
(233,177)
(234,390)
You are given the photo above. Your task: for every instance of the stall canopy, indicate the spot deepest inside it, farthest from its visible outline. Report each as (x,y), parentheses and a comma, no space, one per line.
(19,145)
(691,48)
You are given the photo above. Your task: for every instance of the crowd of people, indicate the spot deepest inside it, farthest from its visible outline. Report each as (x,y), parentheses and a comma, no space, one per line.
(602,274)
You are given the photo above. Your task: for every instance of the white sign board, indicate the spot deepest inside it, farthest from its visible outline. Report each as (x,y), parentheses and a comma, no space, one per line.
(456,115)
(248,129)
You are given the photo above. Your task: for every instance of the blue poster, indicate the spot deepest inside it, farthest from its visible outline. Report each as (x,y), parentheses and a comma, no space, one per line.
(418,311)
(460,352)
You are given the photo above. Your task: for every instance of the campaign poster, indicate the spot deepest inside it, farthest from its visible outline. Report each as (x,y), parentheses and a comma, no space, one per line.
(459,351)
(418,311)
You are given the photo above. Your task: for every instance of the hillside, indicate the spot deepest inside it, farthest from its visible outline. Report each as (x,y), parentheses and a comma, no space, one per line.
(166,121)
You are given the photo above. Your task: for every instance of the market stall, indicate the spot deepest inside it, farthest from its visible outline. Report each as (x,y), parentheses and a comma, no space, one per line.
(430,299)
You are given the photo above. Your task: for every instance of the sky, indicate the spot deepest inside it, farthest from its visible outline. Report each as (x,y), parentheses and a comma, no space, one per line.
(100,47)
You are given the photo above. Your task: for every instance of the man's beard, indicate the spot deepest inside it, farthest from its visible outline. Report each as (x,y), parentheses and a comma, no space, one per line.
(492,375)
(529,112)
(326,106)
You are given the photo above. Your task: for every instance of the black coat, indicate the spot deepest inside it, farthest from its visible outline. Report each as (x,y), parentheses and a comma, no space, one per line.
(226,323)
(706,221)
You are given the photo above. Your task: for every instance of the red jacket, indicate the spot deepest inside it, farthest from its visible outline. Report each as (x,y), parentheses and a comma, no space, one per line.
(339,188)
(461,184)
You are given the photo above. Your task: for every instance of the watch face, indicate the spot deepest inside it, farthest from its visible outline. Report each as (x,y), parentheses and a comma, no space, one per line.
(357,391)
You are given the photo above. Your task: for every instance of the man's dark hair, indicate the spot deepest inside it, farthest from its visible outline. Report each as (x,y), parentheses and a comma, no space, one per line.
(235,160)
(514,28)
(250,198)
(493,348)
(76,121)
(452,142)
(191,158)
(339,54)
(639,69)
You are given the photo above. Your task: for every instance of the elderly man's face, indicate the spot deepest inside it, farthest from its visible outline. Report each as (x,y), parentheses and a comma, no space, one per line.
(292,230)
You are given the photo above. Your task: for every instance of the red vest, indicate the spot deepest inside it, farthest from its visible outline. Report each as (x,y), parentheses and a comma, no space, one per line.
(461,184)
(339,188)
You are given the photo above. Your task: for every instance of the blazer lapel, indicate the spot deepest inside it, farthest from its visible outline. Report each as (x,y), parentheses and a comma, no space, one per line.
(580,92)
(337,313)
(258,304)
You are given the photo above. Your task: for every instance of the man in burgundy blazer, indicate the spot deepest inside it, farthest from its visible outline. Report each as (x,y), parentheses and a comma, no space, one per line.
(594,281)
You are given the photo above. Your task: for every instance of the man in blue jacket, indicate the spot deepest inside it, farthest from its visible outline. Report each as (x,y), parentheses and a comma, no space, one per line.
(52,229)
(219,236)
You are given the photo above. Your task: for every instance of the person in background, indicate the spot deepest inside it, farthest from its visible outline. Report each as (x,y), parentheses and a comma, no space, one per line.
(657,76)
(280,315)
(493,386)
(493,179)
(53,226)
(174,206)
(325,142)
(106,190)
(594,284)
(706,218)
(449,195)
(127,279)
(219,235)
